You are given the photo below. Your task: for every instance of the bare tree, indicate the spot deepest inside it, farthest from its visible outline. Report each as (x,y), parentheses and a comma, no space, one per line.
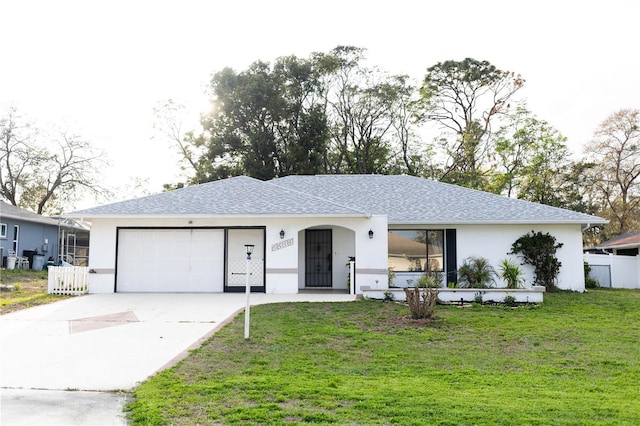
(169,121)
(615,150)
(45,172)
(15,155)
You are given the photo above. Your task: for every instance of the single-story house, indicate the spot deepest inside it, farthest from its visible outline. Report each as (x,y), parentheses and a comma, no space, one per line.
(27,234)
(305,230)
(626,244)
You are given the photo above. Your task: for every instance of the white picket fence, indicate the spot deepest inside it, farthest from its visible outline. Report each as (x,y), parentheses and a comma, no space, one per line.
(68,280)
(614,271)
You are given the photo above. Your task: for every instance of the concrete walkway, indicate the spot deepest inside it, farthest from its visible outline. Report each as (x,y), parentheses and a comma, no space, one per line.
(72,362)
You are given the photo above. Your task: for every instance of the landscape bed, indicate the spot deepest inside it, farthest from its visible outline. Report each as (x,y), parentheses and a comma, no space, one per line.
(465,295)
(572,360)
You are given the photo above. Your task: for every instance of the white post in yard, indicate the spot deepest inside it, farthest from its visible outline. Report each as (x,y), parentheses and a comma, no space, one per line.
(352,273)
(249,248)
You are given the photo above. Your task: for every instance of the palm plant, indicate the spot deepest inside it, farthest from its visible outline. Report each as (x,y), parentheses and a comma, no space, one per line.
(475,272)
(511,273)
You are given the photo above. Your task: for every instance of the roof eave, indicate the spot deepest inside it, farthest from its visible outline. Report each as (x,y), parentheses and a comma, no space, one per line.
(220,216)
(619,246)
(43,221)
(499,222)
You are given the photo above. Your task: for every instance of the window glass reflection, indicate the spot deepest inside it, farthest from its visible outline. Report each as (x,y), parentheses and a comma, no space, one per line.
(416,250)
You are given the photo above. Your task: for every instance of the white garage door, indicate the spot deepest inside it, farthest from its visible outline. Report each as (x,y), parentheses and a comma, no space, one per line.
(170,260)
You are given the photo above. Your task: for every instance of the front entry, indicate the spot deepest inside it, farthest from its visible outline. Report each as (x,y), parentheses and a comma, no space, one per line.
(318,258)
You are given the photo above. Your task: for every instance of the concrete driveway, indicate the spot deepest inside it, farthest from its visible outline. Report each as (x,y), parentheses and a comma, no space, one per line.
(71,362)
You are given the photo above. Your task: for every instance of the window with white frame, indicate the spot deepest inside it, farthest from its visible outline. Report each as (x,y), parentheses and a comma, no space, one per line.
(3,230)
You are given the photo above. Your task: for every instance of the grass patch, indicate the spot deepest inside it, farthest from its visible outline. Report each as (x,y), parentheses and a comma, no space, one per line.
(29,289)
(570,361)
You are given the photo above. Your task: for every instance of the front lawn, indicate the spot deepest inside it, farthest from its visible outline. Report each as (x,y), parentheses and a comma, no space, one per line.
(24,288)
(574,360)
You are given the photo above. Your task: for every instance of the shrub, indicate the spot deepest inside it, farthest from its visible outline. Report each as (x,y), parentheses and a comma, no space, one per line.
(511,272)
(475,272)
(430,279)
(422,301)
(539,250)
(391,275)
(509,300)
(588,281)
(591,283)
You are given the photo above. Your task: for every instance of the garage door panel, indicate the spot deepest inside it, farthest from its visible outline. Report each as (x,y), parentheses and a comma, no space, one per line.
(170,260)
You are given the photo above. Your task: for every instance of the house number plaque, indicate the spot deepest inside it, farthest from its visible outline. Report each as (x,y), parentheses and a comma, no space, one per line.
(282,244)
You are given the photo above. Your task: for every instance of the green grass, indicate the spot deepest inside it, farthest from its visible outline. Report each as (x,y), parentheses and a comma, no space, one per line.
(574,360)
(30,289)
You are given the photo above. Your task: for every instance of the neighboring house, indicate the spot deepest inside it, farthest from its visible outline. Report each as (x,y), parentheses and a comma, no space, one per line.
(626,244)
(306,228)
(27,234)
(615,263)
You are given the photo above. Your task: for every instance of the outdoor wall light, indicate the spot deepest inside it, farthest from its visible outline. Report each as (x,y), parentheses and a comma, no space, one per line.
(370,233)
(282,234)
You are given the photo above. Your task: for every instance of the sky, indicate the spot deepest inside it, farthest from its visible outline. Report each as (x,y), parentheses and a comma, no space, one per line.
(100,67)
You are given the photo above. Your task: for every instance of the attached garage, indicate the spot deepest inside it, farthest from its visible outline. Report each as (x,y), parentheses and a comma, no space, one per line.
(170,260)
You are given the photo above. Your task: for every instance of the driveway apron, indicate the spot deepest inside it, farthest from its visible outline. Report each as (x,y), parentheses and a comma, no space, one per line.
(66,360)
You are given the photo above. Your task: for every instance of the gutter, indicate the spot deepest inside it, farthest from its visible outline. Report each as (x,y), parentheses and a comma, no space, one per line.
(222,216)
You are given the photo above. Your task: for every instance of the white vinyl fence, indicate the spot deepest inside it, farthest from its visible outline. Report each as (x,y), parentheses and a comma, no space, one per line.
(69,280)
(614,271)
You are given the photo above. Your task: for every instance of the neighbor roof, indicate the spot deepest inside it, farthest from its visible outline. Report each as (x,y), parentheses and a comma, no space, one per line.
(626,240)
(13,212)
(414,200)
(403,199)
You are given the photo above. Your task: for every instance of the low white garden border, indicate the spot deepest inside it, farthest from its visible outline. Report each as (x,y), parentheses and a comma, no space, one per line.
(464,295)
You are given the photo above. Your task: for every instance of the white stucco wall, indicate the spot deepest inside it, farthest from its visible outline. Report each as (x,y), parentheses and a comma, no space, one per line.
(494,242)
(282,255)
(285,257)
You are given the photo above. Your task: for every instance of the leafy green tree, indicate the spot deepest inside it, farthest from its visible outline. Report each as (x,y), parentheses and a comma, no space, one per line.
(266,121)
(531,159)
(465,98)
(364,104)
(410,156)
(325,114)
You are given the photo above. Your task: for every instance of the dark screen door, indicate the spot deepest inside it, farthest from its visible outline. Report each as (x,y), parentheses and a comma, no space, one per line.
(318,258)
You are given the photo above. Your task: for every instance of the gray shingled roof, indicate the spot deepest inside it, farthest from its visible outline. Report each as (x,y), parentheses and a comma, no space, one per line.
(412,200)
(404,199)
(13,212)
(237,196)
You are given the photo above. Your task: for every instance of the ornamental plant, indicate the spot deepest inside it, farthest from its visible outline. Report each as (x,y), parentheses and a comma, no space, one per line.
(539,250)
(475,272)
(422,301)
(511,273)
